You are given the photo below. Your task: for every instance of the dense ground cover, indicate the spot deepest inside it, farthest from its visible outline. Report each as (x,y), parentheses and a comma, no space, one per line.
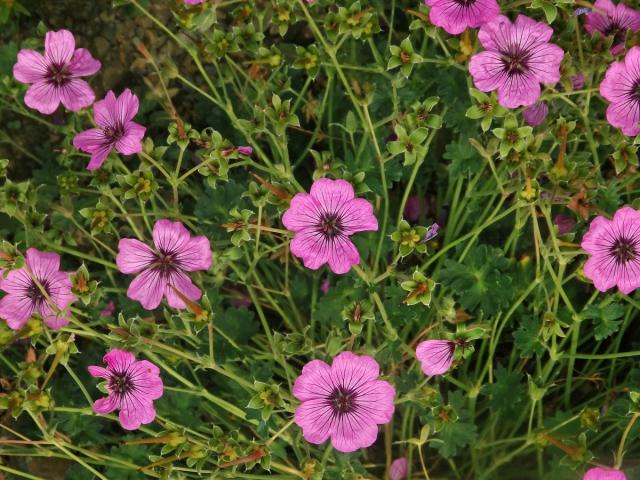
(356,239)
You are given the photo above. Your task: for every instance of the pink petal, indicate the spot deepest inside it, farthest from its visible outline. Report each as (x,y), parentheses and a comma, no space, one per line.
(315,377)
(399,469)
(331,194)
(127,106)
(90,140)
(76,94)
(521,90)
(343,255)
(16,310)
(43,97)
(181,282)
(100,372)
(170,236)
(357,216)
(99,156)
(54,319)
(83,64)
(59,47)
(600,473)
(118,360)
(148,288)
(146,377)
(134,256)
(598,227)
(195,254)
(436,356)
(357,368)
(312,247)
(31,67)
(102,110)
(353,433)
(105,405)
(131,142)
(138,414)
(496,32)
(303,212)
(483,67)
(455,18)
(599,270)
(378,403)
(316,421)
(43,264)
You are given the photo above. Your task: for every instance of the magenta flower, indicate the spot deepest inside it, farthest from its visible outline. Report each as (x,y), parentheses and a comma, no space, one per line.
(600,473)
(323,220)
(247,151)
(132,384)
(325,286)
(518,58)
(610,19)
(163,270)
(193,2)
(536,113)
(455,16)
(614,249)
(564,223)
(55,76)
(116,129)
(577,81)
(436,356)
(24,297)
(399,469)
(620,87)
(344,401)
(108,310)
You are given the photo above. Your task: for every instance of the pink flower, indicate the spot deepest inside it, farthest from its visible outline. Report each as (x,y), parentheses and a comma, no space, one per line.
(108,310)
(193,2)
(325,286)
(436,356)
(610,19)
(399,469)
(163,270)
(599,473)
(577,81)
(564,223)
(536,113)
(116,129)
(132,385)
(323,220)
(614,249)
(245,151)
(24,297)
(55,76)
(518,58)
(344,401)
(621,87)
(455,16)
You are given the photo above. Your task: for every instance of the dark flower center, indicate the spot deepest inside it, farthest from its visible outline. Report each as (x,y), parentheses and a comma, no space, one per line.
(114,133)
(634,91)
(465,3)
(343,400)
(35,294)
(515,60)
(623,250)
(120,383)
(165,263)
(614,28)
(58,74)
(330,225)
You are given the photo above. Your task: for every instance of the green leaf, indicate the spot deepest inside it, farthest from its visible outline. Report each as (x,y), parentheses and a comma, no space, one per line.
(605,319)
(481,281)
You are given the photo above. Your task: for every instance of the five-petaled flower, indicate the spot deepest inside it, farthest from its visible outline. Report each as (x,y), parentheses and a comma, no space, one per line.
(345,401)
(323,220)
(116,129)
(455,16)
(518,58)
(610,19)
(435,356)
(621,86)
(614,249)
(38,287)
(55,76)
(132,385)
(163,269)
